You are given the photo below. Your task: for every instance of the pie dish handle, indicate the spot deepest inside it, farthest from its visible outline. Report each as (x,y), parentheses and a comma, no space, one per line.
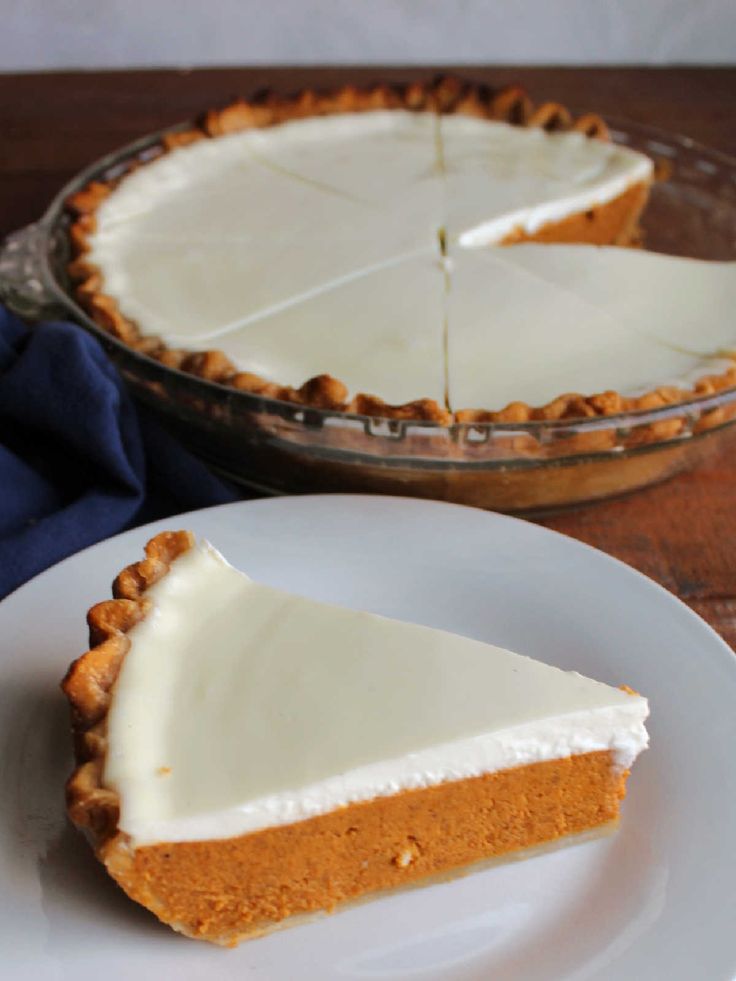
(23,286)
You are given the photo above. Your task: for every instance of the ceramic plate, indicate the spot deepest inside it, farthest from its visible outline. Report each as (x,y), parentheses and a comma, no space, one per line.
(654,901)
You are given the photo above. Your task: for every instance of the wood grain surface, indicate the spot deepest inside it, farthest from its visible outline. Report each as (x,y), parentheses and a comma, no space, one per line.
(681,533)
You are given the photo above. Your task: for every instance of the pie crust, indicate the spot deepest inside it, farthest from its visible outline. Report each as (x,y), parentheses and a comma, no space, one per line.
(90,678)
(612,223)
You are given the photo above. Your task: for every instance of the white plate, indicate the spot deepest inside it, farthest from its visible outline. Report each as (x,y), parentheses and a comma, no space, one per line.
(656,901)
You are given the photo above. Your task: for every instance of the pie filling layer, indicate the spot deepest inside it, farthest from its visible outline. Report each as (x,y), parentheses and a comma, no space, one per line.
(240,707)
(314,247)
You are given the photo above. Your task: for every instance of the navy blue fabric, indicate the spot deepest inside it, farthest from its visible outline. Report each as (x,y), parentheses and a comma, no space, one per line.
(79,461)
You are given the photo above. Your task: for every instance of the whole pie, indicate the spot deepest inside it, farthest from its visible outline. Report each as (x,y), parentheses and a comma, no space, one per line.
(343,250)
(247,757)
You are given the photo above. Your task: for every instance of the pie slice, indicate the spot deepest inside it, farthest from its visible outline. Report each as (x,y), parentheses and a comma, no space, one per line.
(248,757)
(380,332)
(601,323)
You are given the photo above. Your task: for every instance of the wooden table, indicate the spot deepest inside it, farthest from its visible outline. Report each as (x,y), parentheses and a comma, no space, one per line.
(681,533)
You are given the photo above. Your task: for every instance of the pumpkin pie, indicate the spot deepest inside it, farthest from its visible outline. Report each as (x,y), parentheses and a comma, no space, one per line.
(348,250)
(247,757)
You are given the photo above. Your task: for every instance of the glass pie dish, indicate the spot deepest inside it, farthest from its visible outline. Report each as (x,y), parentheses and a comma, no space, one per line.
(279,447)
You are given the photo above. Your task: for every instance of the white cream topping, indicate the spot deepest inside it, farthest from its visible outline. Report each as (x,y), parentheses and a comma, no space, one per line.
(531,322)
(239,707)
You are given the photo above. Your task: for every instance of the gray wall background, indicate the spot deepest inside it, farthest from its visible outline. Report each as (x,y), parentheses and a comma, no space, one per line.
(47,34)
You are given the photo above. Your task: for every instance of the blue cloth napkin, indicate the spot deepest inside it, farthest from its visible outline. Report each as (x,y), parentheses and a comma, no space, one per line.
(79,461)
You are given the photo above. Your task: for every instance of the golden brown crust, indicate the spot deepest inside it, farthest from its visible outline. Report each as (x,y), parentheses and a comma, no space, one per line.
(576,406)
(90,678)
(88,200)
(424,410)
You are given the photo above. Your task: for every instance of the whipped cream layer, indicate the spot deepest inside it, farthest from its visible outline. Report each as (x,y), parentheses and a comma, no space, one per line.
(240,706)
(531,322)
(212,235)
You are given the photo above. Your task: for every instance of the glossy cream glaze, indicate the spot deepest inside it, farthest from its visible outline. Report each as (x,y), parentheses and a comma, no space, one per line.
(240,707)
